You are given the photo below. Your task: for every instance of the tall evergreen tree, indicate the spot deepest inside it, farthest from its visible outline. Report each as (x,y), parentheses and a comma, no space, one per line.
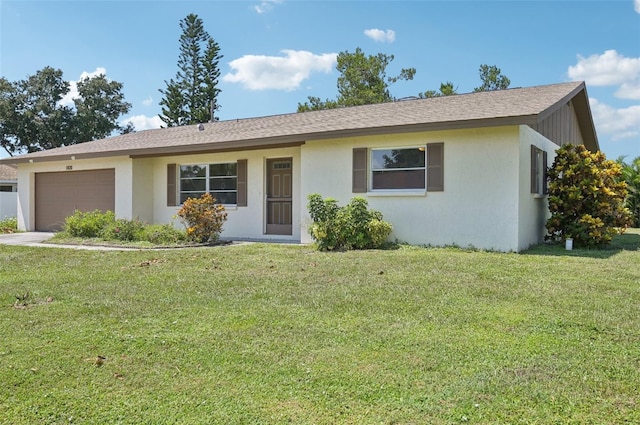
(191,97)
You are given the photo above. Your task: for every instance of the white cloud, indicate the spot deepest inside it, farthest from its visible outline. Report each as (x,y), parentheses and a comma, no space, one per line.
(67,100)
(636,5)
(388,36)
(266,6)
(609,69)
(278,72)
(143,122)
(148,101)
(621,123)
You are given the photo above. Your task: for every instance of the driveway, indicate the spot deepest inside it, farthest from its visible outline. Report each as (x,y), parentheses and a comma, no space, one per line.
(38,239)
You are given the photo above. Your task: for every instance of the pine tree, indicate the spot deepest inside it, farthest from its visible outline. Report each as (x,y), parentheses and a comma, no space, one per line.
(191,97)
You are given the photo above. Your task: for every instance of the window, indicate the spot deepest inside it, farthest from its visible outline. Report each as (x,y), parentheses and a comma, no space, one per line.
(538,171)
(220,180)
(398,169)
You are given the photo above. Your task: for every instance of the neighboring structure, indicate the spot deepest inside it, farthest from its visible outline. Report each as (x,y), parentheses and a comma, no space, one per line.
(8,191)
(467,169)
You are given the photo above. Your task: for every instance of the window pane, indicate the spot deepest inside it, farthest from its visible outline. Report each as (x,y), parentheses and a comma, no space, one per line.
(397,158)
(227,198)
(190,185)
(184,196)
(189,171)
(223,183)
(401,179)
(223,169)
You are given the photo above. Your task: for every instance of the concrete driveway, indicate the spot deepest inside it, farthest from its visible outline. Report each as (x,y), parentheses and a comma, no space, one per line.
(37,239)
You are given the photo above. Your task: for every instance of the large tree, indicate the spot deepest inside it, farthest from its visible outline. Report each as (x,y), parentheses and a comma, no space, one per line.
(33,118)
(192,96)
(492,79)
(363,80)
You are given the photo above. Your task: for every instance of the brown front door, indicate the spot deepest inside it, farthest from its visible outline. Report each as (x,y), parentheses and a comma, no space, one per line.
(279,196)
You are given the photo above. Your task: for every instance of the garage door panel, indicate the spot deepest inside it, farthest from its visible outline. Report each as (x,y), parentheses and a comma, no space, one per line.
(59,194)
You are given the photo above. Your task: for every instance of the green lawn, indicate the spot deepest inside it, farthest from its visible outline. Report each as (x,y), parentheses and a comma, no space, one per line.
(269,334)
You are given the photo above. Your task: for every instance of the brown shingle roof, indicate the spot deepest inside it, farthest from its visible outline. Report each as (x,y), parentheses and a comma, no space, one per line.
(8,173)
(495,108)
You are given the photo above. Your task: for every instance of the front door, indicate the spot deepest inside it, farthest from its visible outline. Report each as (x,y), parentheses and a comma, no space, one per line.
(279,191)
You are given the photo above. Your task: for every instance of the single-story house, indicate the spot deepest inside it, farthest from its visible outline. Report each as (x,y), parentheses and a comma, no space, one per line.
(465,170)
(8,191)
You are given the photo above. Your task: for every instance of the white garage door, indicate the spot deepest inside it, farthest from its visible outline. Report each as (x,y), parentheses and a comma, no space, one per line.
(58,195)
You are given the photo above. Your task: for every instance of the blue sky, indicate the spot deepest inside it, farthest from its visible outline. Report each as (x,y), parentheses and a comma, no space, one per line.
(279,52)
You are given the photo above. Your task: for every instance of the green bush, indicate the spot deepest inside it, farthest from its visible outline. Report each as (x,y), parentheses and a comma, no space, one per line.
(96,224)
(9,225)
(163,234)
(88,224)
(586,198)
(123,230)
(353,226)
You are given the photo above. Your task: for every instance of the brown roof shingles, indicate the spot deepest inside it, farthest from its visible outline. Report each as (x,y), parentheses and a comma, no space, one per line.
(8,173)
(520,105)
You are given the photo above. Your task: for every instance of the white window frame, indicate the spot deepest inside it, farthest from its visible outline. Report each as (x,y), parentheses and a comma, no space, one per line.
(207,178)
(372,170)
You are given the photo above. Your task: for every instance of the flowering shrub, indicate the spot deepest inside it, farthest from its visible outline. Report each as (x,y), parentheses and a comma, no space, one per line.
(353,226)
(586,198)
(203,218)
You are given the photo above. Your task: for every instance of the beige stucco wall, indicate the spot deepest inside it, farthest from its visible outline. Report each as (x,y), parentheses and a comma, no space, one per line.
(242,222)
(479,204)
(533,208)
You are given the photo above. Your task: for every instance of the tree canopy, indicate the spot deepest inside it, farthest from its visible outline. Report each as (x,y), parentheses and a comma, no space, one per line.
(192,96)
(492,79)
(33,117)
(363,80)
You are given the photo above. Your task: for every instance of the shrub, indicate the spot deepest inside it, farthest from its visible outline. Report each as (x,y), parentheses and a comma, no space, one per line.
(88,224)
(586,198)
(123,230)
(203,218)
(9,225)
(353,226)
(163,234)
(631,175)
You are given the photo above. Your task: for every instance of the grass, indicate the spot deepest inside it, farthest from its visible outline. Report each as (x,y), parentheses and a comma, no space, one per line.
(271,334)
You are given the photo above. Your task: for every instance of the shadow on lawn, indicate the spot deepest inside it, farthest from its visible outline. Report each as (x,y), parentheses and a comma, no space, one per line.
(630,241)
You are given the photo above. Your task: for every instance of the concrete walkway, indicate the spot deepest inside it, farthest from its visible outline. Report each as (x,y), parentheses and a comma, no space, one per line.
(38,238)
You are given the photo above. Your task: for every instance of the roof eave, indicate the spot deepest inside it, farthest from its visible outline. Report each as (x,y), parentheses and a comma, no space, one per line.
(280,141)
